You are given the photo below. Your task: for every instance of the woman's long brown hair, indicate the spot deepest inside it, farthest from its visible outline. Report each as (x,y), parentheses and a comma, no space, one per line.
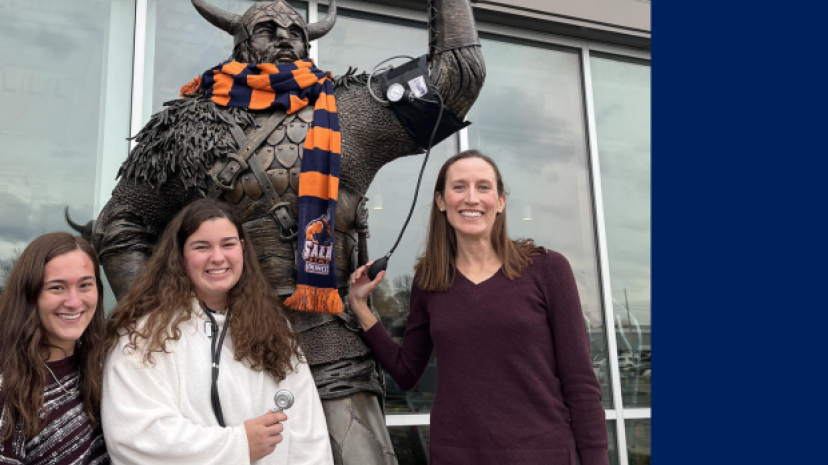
(435,268)
(23,345)
(163,293)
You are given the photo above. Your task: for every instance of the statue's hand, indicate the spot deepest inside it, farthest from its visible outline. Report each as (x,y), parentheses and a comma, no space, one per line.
(361,288)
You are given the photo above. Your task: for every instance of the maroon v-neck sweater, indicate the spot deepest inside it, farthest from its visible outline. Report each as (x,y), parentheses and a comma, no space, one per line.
(515,383)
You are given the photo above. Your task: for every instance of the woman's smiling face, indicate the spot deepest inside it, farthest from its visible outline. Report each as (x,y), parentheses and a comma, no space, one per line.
(214,260)
(68,301)
(471,201)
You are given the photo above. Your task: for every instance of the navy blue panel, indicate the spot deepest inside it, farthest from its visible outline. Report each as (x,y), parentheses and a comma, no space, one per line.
(739,247)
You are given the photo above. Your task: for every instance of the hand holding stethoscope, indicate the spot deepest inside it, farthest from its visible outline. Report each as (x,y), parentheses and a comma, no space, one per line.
(264,433)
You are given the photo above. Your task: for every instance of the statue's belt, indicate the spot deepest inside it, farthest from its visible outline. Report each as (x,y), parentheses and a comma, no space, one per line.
(246,158)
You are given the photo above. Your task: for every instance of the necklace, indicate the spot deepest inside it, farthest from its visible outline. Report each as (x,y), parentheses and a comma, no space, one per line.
(56,380)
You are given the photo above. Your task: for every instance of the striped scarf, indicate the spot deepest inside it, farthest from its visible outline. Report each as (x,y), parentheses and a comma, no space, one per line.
(292,87)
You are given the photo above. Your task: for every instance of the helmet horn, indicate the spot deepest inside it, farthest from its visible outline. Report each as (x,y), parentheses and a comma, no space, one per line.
(84,231)
(219,18)
(320,28)
(72,224)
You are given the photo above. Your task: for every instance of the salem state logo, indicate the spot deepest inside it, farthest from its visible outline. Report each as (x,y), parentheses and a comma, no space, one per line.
(318,246)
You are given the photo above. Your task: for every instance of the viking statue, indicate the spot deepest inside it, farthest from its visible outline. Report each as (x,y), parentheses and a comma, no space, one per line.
(296,163)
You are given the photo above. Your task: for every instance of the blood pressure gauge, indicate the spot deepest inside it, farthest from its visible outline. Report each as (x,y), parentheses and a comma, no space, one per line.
(395,92)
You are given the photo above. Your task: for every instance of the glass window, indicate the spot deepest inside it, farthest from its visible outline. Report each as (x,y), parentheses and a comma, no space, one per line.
(364,40)
(639,433)
(182,45)
(612,450)
(65,77)
(621,90)
(410,444)
(530,120)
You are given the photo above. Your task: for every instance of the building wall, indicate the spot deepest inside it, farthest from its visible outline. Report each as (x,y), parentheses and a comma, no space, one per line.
(618,22)
(633,15)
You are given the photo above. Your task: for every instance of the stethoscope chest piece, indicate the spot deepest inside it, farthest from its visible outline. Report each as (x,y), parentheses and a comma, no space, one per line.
(283,400)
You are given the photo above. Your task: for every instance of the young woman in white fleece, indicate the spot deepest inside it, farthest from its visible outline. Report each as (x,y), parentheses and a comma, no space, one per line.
(199,346)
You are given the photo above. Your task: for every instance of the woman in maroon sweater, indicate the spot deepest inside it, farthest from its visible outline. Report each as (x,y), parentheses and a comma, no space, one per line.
(51,355)
(515,384)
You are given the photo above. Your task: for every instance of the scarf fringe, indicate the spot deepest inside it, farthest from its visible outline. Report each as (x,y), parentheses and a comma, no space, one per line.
(315,300)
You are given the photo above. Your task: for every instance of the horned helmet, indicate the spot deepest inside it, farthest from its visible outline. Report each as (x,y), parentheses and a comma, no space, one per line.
(280,12)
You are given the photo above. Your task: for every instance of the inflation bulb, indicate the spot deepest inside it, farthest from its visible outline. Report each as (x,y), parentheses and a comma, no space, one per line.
(379,265)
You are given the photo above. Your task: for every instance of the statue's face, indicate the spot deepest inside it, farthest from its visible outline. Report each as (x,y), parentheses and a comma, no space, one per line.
(271,43)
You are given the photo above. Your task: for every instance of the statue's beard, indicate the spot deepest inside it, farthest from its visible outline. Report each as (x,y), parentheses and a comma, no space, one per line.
(244,54)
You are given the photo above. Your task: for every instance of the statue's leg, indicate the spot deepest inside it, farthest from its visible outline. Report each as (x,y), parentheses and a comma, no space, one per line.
(350,385)
(358,433)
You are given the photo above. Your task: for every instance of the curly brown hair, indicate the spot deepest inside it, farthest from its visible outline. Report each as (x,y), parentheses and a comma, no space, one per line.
(23,345)
(434,270)
(162,293)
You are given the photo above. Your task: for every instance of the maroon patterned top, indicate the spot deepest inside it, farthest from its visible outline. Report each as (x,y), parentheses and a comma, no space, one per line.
(68,437)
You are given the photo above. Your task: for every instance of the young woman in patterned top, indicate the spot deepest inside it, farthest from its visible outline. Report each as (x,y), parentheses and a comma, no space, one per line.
(51,355)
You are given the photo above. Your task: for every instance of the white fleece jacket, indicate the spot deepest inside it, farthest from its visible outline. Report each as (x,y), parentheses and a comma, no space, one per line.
(161,413)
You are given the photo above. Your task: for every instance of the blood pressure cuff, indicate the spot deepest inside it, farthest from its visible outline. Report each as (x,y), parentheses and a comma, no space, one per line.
(419,115)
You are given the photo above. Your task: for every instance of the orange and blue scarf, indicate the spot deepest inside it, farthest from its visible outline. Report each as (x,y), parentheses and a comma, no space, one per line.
(292,87)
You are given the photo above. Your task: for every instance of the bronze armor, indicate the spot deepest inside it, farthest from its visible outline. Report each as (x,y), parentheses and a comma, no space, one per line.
(325,339)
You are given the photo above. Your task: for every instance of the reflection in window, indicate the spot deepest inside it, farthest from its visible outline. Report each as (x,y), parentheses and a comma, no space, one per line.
(612,450)
(536,134)
(65,106)
(363,41)
(410,444)
(638,441)
(182,45)
(621,90)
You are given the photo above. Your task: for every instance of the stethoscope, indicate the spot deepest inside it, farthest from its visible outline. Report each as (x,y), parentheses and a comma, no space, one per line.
(283,397)
(216,344)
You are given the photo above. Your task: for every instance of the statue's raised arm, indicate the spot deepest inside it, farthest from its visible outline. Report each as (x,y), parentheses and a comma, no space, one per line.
(456,69)
(456,64)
